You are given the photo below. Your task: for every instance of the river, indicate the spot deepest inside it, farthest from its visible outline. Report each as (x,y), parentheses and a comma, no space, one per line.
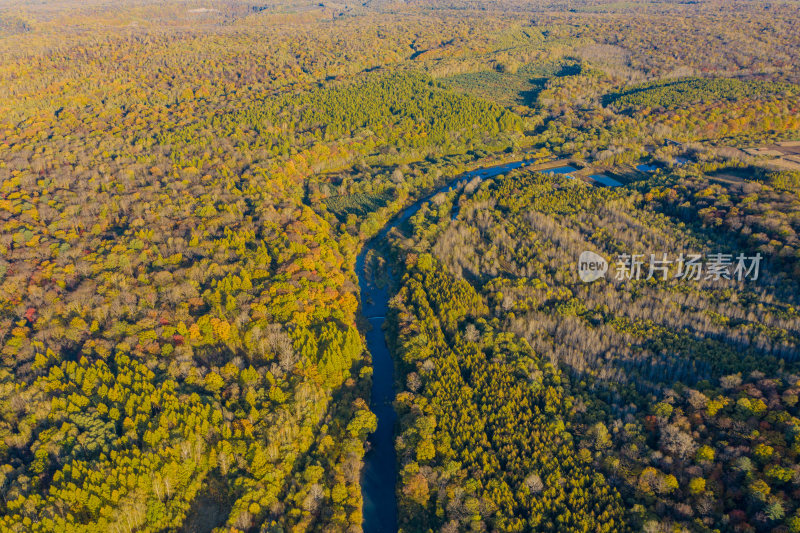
(379,476)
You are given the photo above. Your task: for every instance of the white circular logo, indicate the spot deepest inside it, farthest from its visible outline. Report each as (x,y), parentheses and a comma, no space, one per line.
(591,267)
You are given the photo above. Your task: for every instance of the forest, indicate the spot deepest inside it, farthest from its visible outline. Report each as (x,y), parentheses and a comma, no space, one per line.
(186,187)
(680,399)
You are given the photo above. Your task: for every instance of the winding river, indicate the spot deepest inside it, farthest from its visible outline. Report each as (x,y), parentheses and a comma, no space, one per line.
(379,477)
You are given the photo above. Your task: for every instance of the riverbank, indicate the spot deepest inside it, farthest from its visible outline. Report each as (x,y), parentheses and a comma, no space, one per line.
(379,475)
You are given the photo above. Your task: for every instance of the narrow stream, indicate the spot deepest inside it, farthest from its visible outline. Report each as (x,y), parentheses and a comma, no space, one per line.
(379,477)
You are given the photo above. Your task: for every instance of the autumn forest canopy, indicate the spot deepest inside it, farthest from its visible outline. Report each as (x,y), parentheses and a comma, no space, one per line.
(200,199)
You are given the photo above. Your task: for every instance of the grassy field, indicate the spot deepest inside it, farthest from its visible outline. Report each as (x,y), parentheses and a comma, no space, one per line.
(359,204)
(505,88)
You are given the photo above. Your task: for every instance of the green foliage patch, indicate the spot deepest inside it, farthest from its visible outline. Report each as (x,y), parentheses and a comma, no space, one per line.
(674,93)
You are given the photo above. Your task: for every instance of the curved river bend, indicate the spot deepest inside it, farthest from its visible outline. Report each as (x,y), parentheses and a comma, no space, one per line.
(379,477)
